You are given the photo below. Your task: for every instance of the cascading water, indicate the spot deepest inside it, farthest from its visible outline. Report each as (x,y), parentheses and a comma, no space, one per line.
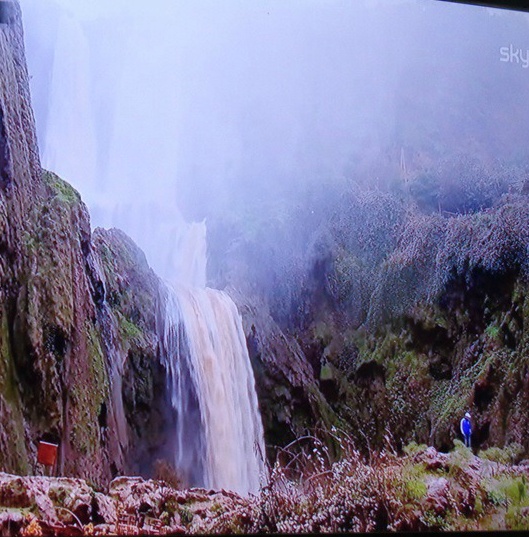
(219,434)
(99,131)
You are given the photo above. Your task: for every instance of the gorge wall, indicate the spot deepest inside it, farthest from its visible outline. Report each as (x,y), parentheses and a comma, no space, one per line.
(78,351)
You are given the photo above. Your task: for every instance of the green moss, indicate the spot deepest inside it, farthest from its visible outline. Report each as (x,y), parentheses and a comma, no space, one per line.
(478,505)
(435,522)
(186,515)
(416,489)
(13,457)
(493,332)
(495,454)
(515,490)
(7,380)
(128,329)
(507,455)
(326,372)
(88,396)
(62,190)
(413,448)
(507,491)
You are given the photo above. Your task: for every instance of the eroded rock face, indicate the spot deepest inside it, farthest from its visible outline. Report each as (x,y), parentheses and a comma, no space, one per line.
(51,499)
(77,343)
(20,183)
(289,397)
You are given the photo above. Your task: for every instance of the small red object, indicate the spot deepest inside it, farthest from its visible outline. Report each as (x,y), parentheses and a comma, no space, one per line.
(47,453)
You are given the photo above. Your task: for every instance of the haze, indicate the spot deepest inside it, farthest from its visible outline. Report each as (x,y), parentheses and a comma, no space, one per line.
(162,111)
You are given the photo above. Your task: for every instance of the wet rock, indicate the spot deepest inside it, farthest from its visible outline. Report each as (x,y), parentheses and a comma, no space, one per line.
(289,395)
(72,499)
(438,495)
(104,529)
(13,492)
(104,509)
(433,459)
(135,494)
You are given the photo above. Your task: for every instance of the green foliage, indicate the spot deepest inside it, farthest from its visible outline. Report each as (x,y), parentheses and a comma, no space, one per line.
(494,333)
(186,515)
(510,454)
(413,448)
(434,522)
(62,190)
(345,279)
(128,329)
(507,491)
(433,251)
(459,459)
(326,372)
(459,185)
(381,492)
(515,490)
(516,520)
(416,489)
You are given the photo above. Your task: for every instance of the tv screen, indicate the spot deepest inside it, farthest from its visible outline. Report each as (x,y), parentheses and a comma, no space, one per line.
(265,264)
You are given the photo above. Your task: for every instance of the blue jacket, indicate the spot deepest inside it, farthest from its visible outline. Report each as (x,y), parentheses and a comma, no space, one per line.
(466,427)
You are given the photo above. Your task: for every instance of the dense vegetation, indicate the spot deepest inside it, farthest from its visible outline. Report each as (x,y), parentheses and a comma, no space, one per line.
(408,299)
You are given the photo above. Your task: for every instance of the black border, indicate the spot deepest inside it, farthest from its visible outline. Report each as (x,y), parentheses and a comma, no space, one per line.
(516,5)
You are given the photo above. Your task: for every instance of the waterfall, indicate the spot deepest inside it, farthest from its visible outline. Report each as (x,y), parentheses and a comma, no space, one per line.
(109,122)
(219,434)
(218,438)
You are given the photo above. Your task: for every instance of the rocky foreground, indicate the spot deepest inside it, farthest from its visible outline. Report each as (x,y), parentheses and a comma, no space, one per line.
(422,490)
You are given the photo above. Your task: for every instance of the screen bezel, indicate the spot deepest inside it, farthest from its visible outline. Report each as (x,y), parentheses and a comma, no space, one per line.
(512,4)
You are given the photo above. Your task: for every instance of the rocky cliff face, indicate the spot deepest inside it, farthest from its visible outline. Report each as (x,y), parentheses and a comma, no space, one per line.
(78,347)
(289,395)
(77,344)
(20,184)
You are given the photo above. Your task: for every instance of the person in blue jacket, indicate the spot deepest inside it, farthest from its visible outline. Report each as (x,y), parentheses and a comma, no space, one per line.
(466,429)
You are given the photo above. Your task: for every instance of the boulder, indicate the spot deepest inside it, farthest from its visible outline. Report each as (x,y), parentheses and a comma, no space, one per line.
(13,491)
(104,509)
(438,495)
(135,494)
(433,459)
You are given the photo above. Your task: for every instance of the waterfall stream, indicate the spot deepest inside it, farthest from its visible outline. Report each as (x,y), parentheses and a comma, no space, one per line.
(108,123)
(219,435)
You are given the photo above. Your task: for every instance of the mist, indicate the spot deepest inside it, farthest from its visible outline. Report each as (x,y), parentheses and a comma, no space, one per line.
(165,113)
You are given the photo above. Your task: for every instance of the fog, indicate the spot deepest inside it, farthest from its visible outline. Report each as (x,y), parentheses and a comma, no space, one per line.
(166,112)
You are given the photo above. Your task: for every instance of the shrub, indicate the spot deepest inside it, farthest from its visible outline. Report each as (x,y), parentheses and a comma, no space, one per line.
(413,448)
(166,472)
(510,454)
(494,454)
(434,251)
